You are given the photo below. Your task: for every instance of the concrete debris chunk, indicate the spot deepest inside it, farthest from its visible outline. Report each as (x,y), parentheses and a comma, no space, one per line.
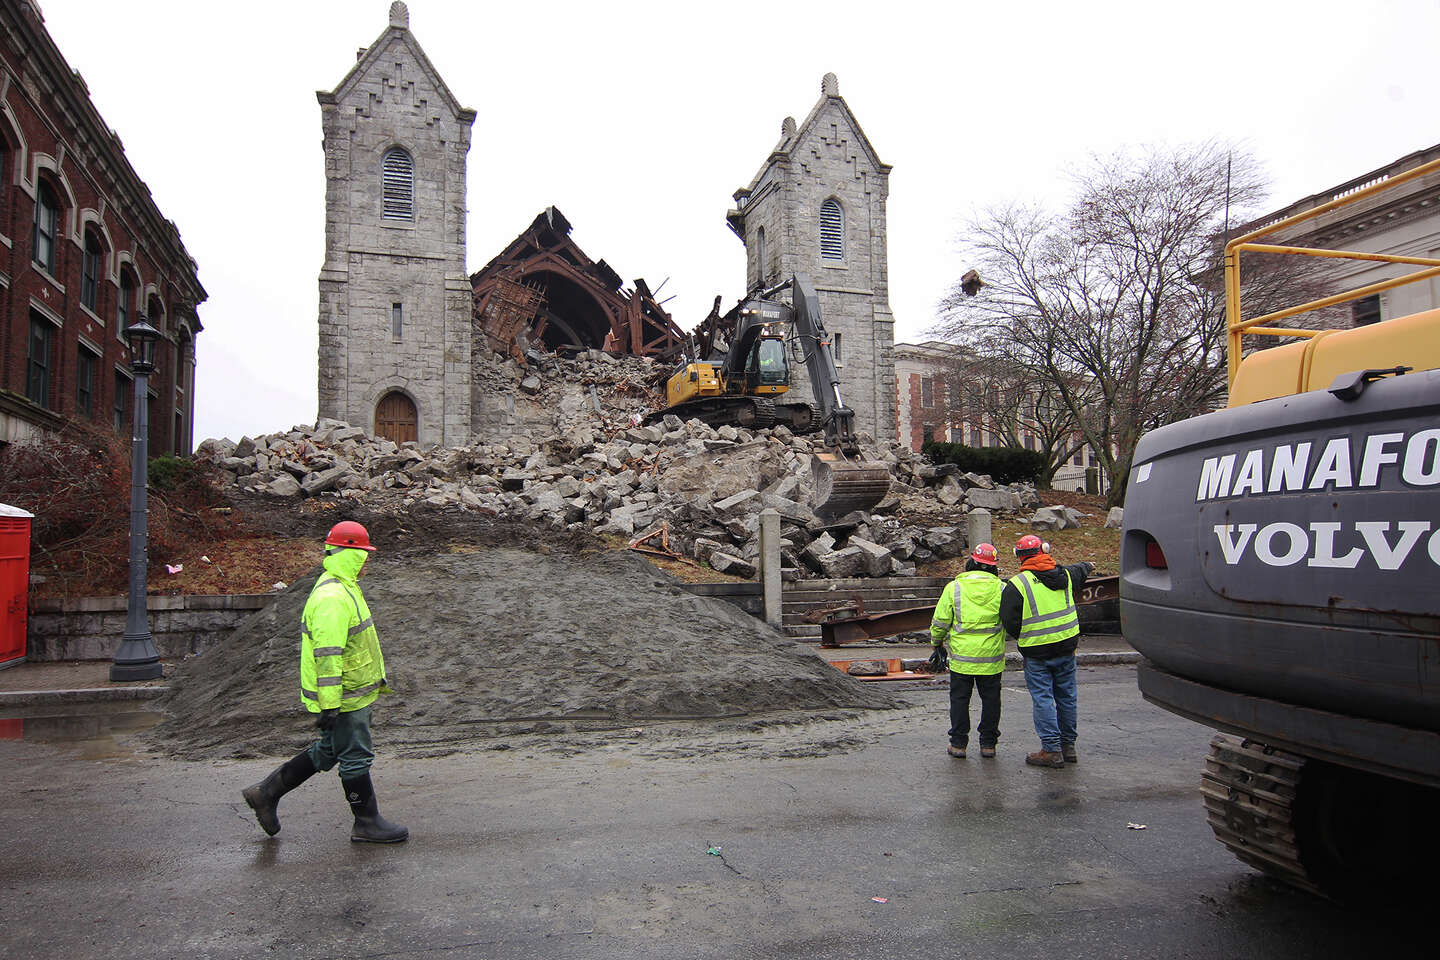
(845,563)
(1055,518)
(323,481)
(283,486)
(746,501)
(990,498)
(949,491)
(726,563)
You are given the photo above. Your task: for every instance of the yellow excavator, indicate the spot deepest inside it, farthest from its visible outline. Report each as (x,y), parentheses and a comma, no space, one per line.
(745,387)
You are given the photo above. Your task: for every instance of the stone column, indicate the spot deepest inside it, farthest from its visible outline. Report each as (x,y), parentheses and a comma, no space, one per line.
(770,565)
(977,528)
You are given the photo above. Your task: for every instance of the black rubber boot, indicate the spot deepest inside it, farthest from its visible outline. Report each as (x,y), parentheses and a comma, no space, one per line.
(370,827)
(265,796)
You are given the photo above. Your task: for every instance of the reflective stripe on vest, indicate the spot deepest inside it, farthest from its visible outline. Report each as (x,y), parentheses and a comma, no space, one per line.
(1047,615)
(977,641)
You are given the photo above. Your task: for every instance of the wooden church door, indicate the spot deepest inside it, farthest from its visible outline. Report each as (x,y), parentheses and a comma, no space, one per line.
(395,418)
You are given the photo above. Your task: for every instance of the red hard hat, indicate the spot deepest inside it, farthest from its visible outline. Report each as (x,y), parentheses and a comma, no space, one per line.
(348,533)
(985,553)
(1028,543)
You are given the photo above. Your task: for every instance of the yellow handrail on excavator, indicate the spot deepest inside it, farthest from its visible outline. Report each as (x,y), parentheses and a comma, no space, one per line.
(1298,356)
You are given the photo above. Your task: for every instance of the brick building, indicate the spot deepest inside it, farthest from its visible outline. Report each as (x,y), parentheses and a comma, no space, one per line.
(927,408)
(817,206)
(83,250)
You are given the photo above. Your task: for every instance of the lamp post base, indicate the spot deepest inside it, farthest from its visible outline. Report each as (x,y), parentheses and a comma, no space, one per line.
(137,659)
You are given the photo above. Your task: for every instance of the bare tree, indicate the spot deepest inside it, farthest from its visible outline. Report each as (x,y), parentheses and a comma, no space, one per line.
(1010,407)
(1114,304)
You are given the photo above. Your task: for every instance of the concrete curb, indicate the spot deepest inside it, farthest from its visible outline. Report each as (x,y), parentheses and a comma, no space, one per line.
(33,698)
(1099,659)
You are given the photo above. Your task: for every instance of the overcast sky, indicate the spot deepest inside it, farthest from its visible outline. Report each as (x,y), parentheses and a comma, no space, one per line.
(640,120)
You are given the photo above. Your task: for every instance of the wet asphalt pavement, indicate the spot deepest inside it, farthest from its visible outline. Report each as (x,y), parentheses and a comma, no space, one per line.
(528,854)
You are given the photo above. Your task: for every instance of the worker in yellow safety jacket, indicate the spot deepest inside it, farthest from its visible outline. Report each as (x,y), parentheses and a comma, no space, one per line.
(342,672)
(965,631)
(1038,610)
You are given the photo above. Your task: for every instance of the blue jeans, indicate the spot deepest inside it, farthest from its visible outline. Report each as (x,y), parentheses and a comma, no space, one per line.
(1053,692)
(348,743)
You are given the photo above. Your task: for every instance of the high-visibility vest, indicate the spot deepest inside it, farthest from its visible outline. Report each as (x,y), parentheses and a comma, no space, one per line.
(971,630)
(1046,616)
(341,665)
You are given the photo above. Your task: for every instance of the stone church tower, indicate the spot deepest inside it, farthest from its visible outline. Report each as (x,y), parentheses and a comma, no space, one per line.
(395,328)
(817,206)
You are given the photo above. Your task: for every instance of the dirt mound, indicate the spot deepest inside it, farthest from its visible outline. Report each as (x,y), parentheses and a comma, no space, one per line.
(488,642)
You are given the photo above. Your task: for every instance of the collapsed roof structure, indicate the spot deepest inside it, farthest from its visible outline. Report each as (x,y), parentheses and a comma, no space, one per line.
(543,291)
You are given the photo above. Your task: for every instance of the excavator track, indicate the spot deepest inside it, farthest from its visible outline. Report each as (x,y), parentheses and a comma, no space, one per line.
(762,414)
(799,417)
(1249,791)
(752,413)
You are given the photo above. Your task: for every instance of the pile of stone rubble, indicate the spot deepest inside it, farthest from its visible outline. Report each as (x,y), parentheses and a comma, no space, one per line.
(592,465)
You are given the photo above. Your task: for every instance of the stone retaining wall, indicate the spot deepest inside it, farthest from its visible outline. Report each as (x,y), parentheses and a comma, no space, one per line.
(90,628)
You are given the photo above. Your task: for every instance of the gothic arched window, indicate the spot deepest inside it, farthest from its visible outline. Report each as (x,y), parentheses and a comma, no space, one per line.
(832,230)
(399,183)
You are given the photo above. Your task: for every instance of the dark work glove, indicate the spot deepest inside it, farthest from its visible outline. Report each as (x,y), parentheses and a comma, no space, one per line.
(938,660)
(327,718)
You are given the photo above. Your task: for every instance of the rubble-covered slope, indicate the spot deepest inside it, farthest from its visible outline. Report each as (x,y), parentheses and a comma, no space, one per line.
(498,641)
(590,465)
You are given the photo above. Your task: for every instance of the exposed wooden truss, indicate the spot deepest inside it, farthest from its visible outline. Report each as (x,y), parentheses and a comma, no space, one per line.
(544,291)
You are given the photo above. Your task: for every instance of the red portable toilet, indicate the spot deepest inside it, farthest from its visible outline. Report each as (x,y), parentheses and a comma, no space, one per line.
(14,582)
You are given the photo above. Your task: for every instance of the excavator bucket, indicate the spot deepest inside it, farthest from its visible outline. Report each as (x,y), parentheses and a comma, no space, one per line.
(843,485)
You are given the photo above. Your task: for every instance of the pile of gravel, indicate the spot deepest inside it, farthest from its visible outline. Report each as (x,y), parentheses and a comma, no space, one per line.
(489,642)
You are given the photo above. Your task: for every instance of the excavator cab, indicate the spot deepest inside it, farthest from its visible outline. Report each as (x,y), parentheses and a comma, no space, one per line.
(767,371)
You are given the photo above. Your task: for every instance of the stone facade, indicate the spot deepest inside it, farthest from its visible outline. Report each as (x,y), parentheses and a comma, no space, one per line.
(83,251)
(828,161)
(383,258)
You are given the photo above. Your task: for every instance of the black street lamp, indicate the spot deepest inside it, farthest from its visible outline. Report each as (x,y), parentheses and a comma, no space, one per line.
(137,658)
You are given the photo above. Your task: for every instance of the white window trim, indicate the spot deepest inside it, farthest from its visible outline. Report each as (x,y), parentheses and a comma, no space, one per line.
(59,287)
(47,312)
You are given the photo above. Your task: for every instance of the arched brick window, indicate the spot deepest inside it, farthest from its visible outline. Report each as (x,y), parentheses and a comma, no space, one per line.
(47,227)
(125,302)
(90,271)
(832,230)
(399,185)
(155,313)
